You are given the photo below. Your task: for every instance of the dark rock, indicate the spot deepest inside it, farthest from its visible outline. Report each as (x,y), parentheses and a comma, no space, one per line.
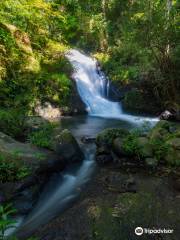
(170,115)
(177,116)
(76,105)
(151,162)
(66,146)
(103,155)
(104,159)
(119,149)
(87,139)
(166,115)
(176,184)
(24,201)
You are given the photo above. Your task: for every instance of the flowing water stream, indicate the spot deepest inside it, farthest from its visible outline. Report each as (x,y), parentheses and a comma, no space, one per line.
(64,188)
(93,87)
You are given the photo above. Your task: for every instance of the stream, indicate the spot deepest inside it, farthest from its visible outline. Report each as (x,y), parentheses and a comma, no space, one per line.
(64,188)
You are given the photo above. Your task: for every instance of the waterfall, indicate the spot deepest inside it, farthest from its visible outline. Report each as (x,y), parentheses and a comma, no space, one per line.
(93,88)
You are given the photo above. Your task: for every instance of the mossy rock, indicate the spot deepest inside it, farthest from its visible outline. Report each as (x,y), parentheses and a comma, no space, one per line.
(107,136)
(173,155)
(165,130)
(145,147)
(165,141)
(66,146)
(160,131)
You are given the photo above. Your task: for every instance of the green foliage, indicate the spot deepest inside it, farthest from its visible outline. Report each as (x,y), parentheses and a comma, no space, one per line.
(5,221)
(160,147)
(42,137)
(107,136)
(10,171)
(130,144)
(12,122)
(141,44)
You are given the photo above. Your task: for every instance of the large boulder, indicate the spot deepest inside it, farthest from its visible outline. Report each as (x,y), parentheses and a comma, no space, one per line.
(107,136)
(22,158)
(65,145)
(160,131)
(104,142)
(170,115)
(118,148)
(48,111)
(145,147)
(24,154)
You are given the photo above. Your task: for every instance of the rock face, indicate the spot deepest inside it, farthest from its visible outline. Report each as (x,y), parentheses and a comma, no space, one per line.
(67,147)
(42,163)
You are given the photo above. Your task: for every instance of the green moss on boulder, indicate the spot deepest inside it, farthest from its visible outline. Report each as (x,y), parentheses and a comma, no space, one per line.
(107,136)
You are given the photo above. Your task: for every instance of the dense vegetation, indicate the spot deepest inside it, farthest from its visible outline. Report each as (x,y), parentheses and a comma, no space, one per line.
(32,63)
(136,43)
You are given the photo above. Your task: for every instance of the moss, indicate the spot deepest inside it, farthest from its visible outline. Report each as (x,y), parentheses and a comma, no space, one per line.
(119,219)
(11,170)
(107,136)
(164,139)
(43,136)
(131,145)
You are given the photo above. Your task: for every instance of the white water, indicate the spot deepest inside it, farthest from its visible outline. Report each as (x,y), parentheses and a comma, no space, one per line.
(93,89)
(58,194)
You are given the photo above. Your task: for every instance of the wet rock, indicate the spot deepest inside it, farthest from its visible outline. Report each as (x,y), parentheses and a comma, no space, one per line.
(166,115)
(151,162)
(107,136)
(24,201)
(120,184)
(104,159)
(87,139)
(103,155)
(66,146)
(170,115)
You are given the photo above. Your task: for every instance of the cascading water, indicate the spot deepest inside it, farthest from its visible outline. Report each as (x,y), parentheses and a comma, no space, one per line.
(92,86)
(93,89)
